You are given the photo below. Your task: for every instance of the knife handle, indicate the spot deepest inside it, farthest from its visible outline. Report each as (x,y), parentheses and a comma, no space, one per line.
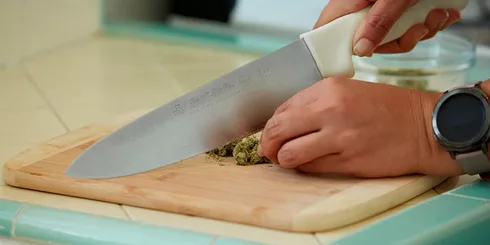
(331,45)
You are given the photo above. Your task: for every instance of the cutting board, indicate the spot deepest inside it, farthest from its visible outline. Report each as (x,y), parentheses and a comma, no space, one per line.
(260,195)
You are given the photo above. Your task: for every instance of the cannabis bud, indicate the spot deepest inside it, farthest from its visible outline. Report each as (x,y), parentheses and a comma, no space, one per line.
(244,151)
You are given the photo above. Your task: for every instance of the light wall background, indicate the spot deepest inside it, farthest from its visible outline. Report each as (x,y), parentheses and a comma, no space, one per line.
(28,27)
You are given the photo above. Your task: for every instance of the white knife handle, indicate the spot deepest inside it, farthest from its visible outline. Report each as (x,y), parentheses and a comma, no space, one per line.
(331,45)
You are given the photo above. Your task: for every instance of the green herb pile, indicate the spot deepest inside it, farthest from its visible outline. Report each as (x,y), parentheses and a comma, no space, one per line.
(243,151)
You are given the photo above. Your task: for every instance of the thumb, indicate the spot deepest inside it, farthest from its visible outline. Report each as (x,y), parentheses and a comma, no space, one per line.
(377,24)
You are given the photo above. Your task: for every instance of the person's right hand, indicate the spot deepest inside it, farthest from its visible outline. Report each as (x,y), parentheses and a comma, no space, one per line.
(380,19)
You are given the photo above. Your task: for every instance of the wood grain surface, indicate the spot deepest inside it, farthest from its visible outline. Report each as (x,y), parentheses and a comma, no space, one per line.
(261,195)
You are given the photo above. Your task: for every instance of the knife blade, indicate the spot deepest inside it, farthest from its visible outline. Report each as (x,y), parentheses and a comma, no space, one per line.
(236,104)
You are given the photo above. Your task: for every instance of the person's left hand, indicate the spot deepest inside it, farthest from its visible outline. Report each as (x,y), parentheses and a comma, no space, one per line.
(357,128)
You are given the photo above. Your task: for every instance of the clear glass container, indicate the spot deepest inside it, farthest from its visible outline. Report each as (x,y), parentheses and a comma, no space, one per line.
(436,64)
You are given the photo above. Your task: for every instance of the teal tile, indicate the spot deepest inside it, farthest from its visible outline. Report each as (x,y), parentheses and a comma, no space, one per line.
(429,217)
(247,42)
(66,227)
(479,189)
(233,241)
(472,229)
(8,210)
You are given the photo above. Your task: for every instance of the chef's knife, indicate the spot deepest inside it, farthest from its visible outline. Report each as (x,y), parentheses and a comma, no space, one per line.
(236,104)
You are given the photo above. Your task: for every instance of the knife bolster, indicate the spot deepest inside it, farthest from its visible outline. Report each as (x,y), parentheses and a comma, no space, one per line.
(331,45)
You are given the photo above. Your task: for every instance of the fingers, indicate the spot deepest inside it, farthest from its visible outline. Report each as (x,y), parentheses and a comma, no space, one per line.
(339,8)
(339,164)
(454,16)
(306,149)
(435,22)
(331,163)
(284,127)
(300,99)
(405,43)
(377,23)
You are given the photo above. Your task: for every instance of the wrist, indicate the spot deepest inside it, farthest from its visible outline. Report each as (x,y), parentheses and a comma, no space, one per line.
(440,161)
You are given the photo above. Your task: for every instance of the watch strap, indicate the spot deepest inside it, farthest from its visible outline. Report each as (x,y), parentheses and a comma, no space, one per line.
(474,162)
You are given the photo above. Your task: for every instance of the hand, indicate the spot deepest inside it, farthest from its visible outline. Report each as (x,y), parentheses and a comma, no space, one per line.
(380,20)
(364,129)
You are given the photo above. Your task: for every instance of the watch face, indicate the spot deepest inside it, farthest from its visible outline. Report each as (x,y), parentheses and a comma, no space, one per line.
(462,118)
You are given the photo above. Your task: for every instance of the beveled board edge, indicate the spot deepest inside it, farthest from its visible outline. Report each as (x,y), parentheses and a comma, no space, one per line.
(324,216)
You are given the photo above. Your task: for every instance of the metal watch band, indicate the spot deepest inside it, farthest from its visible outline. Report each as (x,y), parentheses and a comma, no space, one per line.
(474,162)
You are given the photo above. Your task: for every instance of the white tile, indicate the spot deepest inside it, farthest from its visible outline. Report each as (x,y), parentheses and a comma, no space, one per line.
(219,227)
(77,116)
(16,92)
(28,126)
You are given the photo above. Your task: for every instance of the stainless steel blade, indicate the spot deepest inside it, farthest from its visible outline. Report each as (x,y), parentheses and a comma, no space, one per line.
(231,107)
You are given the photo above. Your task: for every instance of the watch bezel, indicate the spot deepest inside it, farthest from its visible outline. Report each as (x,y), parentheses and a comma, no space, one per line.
(478,139)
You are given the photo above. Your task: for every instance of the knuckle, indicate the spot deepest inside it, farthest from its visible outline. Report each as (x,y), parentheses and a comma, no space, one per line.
(340,104)
(287,156)
(284,106)
(381,22)
(273,130)
(338,107)
(348,138)
(339,100)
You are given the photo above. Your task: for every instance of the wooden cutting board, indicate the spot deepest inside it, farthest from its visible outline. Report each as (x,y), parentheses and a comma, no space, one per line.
(261,195)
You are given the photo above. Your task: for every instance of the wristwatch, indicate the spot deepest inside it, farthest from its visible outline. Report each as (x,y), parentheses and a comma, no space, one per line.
(461,123)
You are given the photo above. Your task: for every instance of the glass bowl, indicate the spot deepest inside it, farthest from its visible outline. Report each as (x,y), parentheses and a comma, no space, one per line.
(436,64)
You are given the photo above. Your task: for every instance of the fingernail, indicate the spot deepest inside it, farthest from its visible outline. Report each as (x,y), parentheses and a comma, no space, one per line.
(259,151)
(421,34)
(442,22)
(364,47)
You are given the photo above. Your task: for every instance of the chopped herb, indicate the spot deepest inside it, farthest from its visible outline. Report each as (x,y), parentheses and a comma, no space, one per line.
(243,151)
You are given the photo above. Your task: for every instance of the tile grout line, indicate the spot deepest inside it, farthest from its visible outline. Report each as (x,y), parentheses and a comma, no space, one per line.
(317,239)
(45,98)
(214,240)
(60,47)
(126,213)
(16,217)
(163,71)
(469,197)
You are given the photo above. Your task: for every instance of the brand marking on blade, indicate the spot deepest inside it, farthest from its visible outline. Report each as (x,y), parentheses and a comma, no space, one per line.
(227,90)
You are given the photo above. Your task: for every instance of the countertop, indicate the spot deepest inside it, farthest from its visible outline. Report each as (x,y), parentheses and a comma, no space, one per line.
(100,77)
